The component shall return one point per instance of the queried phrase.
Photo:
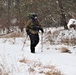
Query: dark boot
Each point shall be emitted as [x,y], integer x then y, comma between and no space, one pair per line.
[32,49]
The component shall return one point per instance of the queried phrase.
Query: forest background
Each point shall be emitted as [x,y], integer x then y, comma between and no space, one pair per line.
[51,13]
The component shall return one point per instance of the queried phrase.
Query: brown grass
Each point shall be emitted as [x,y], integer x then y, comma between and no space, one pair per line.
[3,72]
[64,50]
[56,32]
[34,65]
[53,73]
[11,35]
[31,69]
[68,41]
[49,67]
[25,60]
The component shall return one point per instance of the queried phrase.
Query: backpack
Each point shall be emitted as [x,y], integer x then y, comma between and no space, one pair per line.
[32,25]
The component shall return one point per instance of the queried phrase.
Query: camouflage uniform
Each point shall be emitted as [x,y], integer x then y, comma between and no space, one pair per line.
[32,29]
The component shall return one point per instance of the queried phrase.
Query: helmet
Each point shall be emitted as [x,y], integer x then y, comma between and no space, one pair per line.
[32,16]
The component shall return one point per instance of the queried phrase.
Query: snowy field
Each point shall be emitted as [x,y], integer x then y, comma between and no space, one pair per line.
[15,61]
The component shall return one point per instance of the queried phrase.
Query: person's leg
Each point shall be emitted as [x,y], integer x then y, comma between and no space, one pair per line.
[32,46]
[34,41]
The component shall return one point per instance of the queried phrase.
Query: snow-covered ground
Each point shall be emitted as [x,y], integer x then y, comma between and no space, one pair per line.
[15,61]
[71,21]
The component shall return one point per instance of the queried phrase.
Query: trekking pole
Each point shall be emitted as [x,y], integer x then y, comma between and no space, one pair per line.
[24,42]
[42,42]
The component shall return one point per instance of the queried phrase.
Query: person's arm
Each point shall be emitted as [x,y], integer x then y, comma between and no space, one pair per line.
[38,27]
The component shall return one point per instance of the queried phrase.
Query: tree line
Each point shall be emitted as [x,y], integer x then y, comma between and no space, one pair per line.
[51,12]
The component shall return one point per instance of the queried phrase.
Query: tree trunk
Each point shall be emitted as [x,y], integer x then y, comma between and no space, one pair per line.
[63,17]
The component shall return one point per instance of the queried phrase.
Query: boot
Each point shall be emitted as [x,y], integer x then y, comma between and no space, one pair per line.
[32,50]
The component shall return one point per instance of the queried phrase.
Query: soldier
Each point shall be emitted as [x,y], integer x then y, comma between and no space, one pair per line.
[32,28]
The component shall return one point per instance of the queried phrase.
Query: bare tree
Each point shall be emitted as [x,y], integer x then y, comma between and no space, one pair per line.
[63,17]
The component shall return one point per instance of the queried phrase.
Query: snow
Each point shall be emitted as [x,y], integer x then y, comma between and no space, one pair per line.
[11,53]
[71,21]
